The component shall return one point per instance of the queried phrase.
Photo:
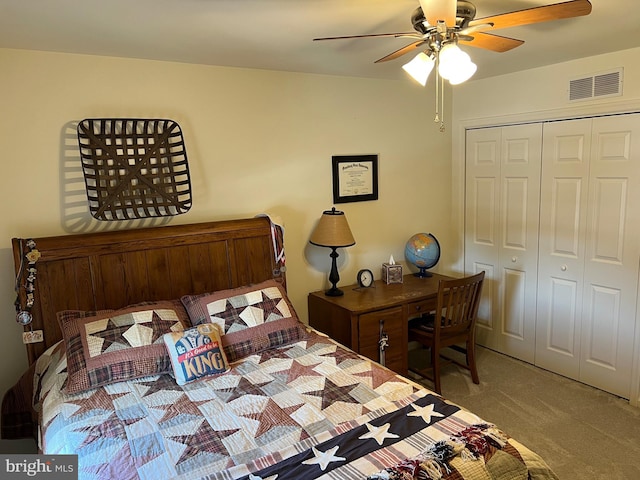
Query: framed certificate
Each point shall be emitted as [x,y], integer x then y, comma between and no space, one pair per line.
[355,178]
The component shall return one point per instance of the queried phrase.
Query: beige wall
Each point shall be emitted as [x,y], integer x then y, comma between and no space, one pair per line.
[257,141]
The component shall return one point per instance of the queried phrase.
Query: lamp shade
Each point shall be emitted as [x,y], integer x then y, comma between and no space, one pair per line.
[332,230]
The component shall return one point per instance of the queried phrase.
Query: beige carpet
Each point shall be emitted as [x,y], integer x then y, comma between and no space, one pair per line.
[581,432]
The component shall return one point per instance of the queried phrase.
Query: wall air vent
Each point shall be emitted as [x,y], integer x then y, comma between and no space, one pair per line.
[599,85]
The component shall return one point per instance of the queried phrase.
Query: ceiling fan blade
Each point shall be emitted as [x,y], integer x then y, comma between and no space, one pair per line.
[435,10]
[373,35]
[557,11]
[495,43]
[402,51]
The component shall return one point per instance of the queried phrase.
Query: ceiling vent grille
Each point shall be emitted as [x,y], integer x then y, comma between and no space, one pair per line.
[600,85]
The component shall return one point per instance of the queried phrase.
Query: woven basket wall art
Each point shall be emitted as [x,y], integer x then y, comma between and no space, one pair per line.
[134,168]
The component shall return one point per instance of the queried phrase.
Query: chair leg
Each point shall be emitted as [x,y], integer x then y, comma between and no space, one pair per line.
[435,364]
[471,361]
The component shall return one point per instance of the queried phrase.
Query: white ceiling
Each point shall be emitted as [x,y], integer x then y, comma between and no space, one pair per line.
[277,34]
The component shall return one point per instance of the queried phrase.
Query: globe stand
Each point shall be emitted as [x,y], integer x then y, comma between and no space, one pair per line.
[423,273]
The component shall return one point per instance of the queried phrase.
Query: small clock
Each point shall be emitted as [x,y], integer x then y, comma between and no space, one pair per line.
[365,278]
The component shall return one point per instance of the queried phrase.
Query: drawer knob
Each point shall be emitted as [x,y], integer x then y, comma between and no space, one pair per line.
[418,307]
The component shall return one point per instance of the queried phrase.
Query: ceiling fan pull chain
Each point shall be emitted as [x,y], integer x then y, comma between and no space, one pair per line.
[437,118]
[442,104]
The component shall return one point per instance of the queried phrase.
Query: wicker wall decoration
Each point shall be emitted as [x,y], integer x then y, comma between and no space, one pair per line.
[134,168]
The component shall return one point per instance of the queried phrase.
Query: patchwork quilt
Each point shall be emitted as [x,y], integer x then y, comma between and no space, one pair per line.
[311,409]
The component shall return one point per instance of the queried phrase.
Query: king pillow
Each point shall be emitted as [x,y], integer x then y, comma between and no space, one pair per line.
[196,353]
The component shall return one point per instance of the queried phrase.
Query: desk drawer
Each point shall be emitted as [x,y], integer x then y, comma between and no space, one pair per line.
[391,322]
[417,309]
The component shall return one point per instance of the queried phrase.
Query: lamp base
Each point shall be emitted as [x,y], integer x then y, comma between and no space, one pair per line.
[334,292]
[334,278]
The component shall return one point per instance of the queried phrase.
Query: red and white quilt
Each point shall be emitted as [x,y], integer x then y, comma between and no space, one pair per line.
[308,410]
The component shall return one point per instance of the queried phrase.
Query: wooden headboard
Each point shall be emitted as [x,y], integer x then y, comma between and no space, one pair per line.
[110,270]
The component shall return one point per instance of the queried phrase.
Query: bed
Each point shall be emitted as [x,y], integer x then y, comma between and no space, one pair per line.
[174,353]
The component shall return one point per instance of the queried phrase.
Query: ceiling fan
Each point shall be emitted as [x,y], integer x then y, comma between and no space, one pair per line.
[438,22]
[440,25]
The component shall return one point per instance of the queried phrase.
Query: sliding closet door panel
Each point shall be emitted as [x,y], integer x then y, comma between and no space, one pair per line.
[514,222]
[612,254]
[482,241]
[563,217]
[501,215]
[520,200]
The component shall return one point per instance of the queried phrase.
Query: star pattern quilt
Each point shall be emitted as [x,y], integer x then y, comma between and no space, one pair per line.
[311,409]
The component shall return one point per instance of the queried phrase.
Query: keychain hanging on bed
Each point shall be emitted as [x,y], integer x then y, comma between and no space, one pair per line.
[277,237]
[23,315]
[277,234]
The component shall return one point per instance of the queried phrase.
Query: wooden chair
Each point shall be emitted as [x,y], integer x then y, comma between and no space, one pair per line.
[456,311]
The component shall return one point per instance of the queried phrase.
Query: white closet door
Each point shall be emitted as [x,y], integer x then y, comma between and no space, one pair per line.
[482,218]
[563,213]
[589,250]
[503,187]
[612,254]
[520,175]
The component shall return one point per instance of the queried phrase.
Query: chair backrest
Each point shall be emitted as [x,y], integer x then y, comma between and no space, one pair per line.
[458,302]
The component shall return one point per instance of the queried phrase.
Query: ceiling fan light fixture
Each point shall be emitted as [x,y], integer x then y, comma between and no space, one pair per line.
[439,25]
[455,65]
[451,59]
[420,68]
[463,73]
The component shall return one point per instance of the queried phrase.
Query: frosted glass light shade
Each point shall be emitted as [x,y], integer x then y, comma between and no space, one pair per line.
[463,73]
[451,57]
[455,65]
[419,68]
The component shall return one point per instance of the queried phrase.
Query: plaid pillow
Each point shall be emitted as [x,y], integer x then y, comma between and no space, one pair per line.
[253,318]
[115,345]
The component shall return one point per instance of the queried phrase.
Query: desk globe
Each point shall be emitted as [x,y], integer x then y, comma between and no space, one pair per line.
[423,251]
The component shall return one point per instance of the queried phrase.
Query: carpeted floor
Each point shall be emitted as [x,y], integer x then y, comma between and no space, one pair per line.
[583,433]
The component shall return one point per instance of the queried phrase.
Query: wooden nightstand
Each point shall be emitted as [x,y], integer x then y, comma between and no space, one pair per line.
[357,318]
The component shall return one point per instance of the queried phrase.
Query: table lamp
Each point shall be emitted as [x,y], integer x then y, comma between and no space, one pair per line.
[333,231]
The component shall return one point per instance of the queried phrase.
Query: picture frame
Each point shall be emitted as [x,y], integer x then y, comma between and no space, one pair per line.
[355,178]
